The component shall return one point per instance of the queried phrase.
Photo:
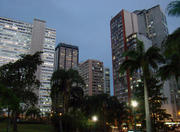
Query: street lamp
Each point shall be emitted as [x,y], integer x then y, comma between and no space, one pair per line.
[94,118]
[134,104]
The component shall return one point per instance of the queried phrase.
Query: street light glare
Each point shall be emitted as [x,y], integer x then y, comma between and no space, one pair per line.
[134,103]
[94,118]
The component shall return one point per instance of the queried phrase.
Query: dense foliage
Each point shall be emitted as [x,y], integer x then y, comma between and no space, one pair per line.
[19,82]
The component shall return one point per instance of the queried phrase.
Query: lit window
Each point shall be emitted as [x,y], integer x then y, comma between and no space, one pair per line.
[114,57]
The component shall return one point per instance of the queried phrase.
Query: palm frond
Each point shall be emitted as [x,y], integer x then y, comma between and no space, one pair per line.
[140,47]
[131,54]
[153,54]
[130,65]
[153,64]
[173,8]
[166,72]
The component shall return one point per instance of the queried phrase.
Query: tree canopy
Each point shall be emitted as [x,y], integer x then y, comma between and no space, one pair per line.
[19,79]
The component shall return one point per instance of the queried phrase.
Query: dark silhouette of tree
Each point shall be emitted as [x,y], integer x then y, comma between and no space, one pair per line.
[66,92]
[21,79]
[107,108]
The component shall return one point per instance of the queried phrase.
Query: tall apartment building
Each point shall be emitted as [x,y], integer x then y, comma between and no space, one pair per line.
[152,23]
[66,56]
[92,73]
[107,81]
[147,25]
[17,38]
[122,25]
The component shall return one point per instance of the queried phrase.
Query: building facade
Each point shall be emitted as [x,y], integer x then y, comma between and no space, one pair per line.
[107,81]
[122,25]
[66,56]
[92,73]
[17,38]
[152,23]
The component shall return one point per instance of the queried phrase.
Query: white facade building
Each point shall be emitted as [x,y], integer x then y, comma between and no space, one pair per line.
[23,38]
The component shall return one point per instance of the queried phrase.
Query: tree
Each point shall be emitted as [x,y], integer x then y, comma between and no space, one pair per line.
[8,100]
[173,8]
[21,79]
[65,89]
[63,85]
[156,99]
[139,59]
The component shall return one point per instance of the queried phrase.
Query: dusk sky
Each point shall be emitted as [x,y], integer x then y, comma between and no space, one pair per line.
[85,23]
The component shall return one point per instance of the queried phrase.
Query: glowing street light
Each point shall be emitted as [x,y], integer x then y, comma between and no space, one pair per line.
[134,104]
[60,114]
[94,118]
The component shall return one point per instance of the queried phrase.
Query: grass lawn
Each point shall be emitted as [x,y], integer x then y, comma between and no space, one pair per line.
[28,127]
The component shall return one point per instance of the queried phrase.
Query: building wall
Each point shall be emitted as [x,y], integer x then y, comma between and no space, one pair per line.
[83,69]
[131,23]
[93,75]
[168,104]
[46,69]
[66,56]
[107,81]
[15,39]
[123,24]
[153,24]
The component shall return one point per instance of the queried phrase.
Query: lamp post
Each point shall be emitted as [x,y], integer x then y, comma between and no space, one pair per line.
[134,104]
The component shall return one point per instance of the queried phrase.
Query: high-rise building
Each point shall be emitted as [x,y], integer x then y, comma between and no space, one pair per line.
[107,81]
[17,38]
[147,25]
[66,56]
[122,25]
[152,23]
[92,73]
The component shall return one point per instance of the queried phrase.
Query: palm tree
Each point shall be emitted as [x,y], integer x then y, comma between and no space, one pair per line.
[173,8]
[63,84]
[139,59]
